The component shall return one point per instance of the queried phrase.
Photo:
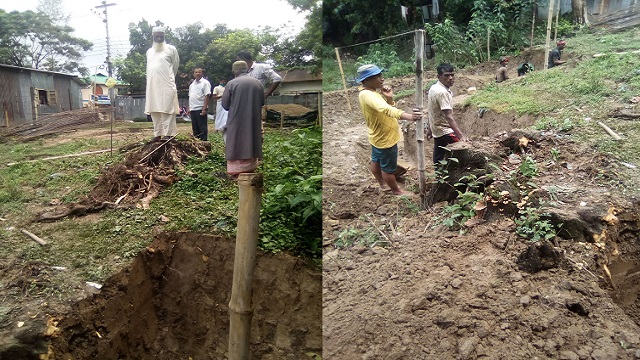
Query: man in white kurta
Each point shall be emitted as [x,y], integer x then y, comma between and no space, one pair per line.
[221,113]
[162,95]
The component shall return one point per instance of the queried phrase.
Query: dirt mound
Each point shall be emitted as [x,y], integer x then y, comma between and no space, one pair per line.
[171,303]
[290,109]
[136,180]
[398,287]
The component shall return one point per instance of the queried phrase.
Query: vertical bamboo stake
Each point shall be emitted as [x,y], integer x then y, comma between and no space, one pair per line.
[549,20]
[240,307]
[420,104]
[555,34]
[320,109]
[344,82]
[488,44]
[533,25]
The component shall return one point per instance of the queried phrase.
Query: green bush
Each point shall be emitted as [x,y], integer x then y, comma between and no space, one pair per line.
[291,215]
[384,55]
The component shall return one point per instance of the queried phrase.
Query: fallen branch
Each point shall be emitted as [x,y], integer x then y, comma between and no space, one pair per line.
[60,157]
[34,237]
[377,228]
[610,132]
[156,149]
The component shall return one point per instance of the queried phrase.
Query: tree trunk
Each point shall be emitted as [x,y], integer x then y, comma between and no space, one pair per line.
[578,7]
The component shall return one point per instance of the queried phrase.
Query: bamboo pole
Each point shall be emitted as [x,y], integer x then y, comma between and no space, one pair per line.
[533,25]
[320,109]
[546,49]
[34,237]
[488,44]
[555,34]
[344,81]
[420,104]
[240,307]
[609,131]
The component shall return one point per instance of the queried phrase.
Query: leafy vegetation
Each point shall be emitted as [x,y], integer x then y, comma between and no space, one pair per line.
[33,40]
[93,247]
[534,225]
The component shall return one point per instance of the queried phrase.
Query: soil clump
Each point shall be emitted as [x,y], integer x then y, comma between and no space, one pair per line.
[397,285]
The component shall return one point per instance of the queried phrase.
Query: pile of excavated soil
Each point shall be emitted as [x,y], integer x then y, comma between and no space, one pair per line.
[421,291]
[172,303]
[136,180]
[290,109]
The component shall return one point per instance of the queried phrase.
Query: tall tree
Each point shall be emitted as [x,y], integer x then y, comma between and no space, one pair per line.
[54,10]
[306,48]
[29,39]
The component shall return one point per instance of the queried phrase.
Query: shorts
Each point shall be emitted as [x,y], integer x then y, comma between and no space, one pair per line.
[441,142]
[388,158]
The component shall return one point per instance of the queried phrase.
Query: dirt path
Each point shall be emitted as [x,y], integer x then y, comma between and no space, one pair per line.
[406,288]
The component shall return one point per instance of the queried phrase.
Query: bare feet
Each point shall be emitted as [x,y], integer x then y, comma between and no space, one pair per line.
[385,188]
[402,193]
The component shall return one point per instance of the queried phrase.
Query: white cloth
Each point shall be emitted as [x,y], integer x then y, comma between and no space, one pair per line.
[221,116]
[164,124]
[264,73]
[218,91]
[162,67]
[197,92]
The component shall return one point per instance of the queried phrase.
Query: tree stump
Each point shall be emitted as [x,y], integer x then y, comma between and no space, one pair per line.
[471,164]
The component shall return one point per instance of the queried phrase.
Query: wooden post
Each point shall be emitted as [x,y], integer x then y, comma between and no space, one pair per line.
[488,44]
[320,109]
[533,25]
[240,307]
[546,49]
[420,105]
[281,119]
[555,34]
[344,82]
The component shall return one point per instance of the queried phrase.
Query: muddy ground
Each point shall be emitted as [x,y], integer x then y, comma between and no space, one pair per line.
[410,288]
[170,301]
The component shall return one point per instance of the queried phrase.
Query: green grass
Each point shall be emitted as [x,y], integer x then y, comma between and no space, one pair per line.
[584,81]
[331,77]
[94,247]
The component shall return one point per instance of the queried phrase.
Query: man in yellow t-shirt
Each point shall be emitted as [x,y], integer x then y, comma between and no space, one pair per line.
[382,120]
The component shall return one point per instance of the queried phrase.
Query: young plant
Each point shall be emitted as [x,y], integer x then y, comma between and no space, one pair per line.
[534,225]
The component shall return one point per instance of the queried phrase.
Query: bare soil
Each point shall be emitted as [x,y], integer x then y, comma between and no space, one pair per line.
[425,292]
[169,302]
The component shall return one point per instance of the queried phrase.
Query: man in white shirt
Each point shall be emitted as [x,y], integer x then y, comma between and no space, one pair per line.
[162,96]
[442,125]
[221,113]
[260,71]
[199,92]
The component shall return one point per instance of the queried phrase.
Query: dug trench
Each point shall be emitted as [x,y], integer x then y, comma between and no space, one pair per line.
[424,291]
[172,303]
[171,300]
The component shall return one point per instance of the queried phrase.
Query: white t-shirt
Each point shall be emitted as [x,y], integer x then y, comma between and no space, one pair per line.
[197,91]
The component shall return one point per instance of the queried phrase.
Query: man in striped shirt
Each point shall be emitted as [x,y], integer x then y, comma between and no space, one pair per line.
[261,71]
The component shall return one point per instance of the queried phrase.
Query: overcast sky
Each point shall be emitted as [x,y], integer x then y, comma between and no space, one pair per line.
[87,20]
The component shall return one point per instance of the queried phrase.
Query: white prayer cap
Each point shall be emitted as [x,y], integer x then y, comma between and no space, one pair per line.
[157,29]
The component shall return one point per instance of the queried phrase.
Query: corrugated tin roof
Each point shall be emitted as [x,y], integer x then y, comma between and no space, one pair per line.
[38,70]
[297,75]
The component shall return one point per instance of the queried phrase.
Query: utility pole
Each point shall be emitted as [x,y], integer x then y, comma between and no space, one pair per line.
[109,67]
[106,24]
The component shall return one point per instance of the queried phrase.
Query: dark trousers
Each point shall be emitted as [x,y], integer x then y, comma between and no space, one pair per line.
[439,144]
[199,125]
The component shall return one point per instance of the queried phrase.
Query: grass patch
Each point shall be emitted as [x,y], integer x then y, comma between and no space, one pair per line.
[92,248]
